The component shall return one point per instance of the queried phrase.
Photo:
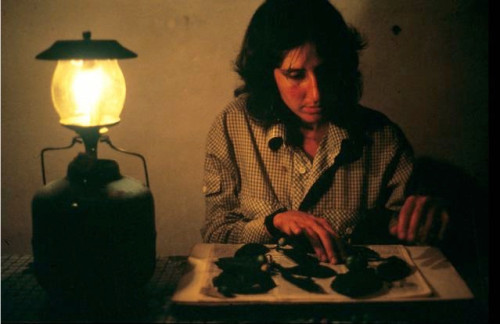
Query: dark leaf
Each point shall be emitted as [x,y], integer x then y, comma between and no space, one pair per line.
[356,262]
[229,283]
[300,256]
[317,271]
[251,249]
[393,268]
[357,283]
[364,251]
[241,264]
[305,283]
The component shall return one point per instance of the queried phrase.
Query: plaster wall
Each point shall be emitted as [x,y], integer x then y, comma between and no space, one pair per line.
[431,78]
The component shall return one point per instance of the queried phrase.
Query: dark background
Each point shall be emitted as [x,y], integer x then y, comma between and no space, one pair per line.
[426,67]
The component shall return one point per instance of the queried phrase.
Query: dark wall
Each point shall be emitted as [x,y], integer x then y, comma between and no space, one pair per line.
[431,78]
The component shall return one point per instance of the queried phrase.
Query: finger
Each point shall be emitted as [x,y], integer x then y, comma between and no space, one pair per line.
[337,249]
[393,226]
[394,229]
[327,240]
[315,243]
[340,252]
[404,216]
[295,229]
[416,216]
[426,228]
[326,225]
[445,218]
[287,228]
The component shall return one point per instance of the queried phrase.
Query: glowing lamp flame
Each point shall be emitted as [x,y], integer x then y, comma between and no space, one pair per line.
[88,92]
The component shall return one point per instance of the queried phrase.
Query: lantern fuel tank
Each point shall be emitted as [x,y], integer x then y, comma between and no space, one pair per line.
[93,231]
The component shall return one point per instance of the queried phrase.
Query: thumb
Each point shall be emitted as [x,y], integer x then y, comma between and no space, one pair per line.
[393,229]
[393,226]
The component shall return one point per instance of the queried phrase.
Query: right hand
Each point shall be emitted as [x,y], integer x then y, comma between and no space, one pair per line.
[422,219]
[325,242]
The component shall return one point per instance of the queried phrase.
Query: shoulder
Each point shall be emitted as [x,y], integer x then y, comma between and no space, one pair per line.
[235,109]
[379,128]
[374,120]
[234,116]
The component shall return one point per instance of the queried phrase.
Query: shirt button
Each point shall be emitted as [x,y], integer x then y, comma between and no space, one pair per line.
[348,230]
[302,170]
[204,189]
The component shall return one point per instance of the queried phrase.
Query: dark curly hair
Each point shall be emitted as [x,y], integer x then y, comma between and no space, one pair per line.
[281,25]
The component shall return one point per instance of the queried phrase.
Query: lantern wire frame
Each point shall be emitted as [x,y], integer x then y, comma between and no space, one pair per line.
[103,138]
[87,49]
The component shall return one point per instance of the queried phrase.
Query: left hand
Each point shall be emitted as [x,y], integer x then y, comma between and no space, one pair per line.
[422,219]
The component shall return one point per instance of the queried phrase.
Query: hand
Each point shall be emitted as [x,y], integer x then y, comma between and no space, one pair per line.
[325,242]
[422,219]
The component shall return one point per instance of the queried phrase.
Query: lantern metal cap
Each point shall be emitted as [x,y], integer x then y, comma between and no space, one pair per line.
[86,49]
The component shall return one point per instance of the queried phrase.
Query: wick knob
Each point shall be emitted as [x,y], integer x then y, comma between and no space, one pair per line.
[86,35]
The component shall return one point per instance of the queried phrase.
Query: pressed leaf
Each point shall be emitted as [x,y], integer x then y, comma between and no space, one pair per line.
[251,249]
[393,268]
[357,283]
[317,271]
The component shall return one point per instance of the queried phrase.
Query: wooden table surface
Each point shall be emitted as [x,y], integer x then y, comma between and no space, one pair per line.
[23,300]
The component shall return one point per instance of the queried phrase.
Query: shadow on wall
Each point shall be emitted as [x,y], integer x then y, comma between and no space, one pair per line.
[466,239]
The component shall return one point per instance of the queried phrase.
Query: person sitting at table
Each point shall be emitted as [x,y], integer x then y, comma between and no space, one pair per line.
[295,154]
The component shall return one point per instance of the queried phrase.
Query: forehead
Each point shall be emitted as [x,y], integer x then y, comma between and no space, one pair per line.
[304,56]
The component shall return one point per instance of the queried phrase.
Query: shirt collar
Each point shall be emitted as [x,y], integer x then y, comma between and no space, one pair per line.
[275,136]
[333,142]
[343,147]
[336,134]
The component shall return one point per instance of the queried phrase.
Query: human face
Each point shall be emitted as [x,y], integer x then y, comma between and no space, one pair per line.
[297,82]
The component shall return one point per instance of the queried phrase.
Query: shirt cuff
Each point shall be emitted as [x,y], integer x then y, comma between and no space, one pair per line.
[268,223]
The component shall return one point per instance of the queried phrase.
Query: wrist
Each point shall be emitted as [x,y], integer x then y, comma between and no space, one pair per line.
[269,224]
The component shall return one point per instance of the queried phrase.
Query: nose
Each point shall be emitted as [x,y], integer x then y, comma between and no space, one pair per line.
[313,89]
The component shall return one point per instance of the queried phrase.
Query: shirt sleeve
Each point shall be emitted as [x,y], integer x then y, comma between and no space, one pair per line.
[393,155]
[398,172]
[229,218]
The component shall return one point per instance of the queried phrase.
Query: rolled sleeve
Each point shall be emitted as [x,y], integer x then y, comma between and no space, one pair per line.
[398,173]
[230,217]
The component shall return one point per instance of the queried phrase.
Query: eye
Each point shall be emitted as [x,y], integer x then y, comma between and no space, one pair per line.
[294,74]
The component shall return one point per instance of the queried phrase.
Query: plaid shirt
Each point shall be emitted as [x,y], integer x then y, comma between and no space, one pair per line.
[251,172]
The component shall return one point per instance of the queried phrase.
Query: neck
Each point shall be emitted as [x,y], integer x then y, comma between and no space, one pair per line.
[316,131]
[312,138]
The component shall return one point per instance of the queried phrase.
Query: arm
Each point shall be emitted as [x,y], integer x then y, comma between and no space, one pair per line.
[420,218]
[239,198]
[230,218]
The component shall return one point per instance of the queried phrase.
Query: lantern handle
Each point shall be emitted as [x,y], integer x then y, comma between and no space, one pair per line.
[107,140]
[76,139]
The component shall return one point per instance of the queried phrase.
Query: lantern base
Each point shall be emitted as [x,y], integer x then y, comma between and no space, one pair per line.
[94,237]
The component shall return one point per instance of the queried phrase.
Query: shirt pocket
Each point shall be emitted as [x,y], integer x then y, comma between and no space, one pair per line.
[211,184]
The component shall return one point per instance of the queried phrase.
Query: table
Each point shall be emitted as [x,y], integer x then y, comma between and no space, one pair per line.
[23,300]
[451,300]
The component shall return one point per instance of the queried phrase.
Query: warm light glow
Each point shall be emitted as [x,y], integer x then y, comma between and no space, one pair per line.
[88,92]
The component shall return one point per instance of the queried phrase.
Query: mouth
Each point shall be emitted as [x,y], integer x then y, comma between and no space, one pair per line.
[312,109]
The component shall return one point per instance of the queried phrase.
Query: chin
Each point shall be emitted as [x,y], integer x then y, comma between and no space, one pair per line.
[312,120]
